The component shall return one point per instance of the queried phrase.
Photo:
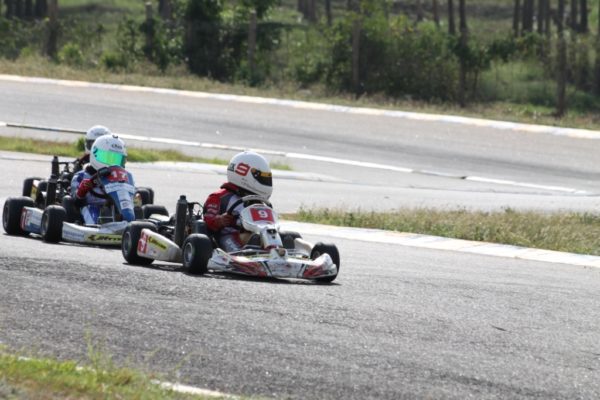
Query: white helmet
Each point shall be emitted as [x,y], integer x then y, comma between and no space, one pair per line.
[251,172]
[92,134]
[108,150]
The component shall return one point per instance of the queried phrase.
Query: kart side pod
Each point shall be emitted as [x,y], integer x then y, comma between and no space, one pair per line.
[157,247]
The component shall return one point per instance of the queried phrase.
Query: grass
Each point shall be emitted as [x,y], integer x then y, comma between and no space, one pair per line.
[570,232]
[45,379]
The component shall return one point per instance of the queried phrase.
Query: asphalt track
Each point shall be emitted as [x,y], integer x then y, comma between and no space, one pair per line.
[400,322]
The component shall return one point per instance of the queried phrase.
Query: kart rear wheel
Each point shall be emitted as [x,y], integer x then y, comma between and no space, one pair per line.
[287,238]
[150,209]
[197,250]
[28,185]
[327,248]
[145,196]
[150,191]
[52,224]
[11,214]
[71,209]
[129,242]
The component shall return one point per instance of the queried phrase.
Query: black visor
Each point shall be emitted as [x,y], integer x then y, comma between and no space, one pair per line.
[264,178]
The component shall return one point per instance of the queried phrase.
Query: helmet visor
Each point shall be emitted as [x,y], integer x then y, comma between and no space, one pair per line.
[264,178]
[110,158]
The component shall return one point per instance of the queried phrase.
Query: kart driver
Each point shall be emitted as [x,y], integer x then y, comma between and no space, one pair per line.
[248,173]
[107,151]
[90,137]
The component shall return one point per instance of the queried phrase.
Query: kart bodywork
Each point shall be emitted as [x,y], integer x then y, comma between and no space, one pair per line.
[55,223]
[269,252]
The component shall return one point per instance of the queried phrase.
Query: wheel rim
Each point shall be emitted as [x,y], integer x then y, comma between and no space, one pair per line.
[5,216]
[188,254]
[44,227]
[126,243]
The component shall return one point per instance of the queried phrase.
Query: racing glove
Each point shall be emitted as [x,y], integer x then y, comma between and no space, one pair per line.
[84,187]
[223,220]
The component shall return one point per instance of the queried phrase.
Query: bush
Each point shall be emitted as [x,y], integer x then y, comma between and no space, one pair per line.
[71,54]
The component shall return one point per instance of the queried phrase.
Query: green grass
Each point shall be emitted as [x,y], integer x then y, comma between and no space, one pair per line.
[44,378]
[570,232]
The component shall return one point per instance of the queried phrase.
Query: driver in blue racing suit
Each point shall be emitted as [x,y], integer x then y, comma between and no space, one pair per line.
[248,173]
[107,151]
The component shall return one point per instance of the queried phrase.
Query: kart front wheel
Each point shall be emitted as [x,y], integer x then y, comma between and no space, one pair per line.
[197,250]
[52,223]
[150,209]
[130,240]
[11,214]
[327,248]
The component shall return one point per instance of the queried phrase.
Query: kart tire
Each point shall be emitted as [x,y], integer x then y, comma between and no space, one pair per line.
[150,193]
[71,209]
[144,195]
[331,249]
[129,242]
[150,209]
[28,185]
[197,250]
[11,214]
[52,223]
[287,238]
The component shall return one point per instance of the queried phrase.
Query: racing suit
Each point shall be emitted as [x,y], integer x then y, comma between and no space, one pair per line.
[225,227]
[87,195]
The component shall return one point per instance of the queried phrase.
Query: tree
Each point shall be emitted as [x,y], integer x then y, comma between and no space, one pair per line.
[573,16]
[561,101]
[597,72]
[527,16]
[516,17]
[451,27]
[436,12]
[583,22]
[462,16]
[40,9]
[52,35]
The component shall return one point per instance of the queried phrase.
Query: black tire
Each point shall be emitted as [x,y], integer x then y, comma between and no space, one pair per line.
[150,209]
[73,214]
[11,214]
[129,242]
[331,249]
[287,238]
[197,250]
[40,194]
[28,185]
[144,195]
[150,193]
[52,224]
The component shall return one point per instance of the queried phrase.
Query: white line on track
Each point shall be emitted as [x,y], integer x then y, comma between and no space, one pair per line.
[333,160]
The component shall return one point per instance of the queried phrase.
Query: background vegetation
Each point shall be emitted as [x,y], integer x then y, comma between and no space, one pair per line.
[484,52]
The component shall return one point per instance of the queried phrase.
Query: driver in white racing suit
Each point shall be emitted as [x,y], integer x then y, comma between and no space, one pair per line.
[248,173]
[107,151]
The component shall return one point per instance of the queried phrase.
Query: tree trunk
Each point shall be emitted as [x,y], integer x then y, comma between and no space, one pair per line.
[165,9]
[516,17]
[583,23]
[419,11]
[252,46]
[436,12]
[328,12]
[52,38]
[541,18]
[597,72]
[29,9]
[451,27]
[573,16]
[528,15]
[356,57]
[312,10]
[462,95]
[10,11]
[19,9]
[41,9]
[561,100]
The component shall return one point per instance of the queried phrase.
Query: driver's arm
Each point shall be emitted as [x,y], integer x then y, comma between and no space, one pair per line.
[215,220]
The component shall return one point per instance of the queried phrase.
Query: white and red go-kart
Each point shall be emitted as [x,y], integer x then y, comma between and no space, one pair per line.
[269,252]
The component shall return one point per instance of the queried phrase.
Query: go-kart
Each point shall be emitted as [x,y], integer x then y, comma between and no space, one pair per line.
[45,192]
[56,223]
[269,252]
